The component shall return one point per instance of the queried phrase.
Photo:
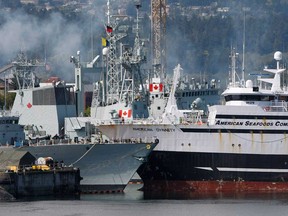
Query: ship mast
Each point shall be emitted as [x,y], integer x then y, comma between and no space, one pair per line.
[243,47]
[113,75]
[233,57]
[78,84]
[122,80]
[121,73]
[132,61]
[23,70]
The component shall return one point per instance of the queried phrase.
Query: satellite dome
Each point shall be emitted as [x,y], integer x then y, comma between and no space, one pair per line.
[249,84]
[278,56]
[105,51]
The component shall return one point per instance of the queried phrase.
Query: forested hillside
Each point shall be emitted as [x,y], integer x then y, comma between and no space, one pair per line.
[204,37]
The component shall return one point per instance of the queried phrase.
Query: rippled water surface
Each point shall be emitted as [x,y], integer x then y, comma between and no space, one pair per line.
[134,202]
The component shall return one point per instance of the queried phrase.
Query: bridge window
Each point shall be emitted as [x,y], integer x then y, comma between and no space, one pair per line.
[249,97]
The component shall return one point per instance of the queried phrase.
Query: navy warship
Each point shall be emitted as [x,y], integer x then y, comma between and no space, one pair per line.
[51,116]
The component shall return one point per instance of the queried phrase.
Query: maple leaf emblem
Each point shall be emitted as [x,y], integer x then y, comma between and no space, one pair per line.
[29,105]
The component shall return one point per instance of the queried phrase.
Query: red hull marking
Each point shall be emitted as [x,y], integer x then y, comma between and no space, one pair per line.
[215,186]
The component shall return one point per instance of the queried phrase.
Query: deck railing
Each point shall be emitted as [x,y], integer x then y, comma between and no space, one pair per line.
[276,106]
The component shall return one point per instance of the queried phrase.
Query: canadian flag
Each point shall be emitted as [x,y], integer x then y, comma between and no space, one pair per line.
[125,113]
[156,87]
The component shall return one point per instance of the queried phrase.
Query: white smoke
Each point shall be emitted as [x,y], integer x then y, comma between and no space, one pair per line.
[53,39]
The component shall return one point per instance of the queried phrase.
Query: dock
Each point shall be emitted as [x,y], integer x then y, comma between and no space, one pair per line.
[21,177]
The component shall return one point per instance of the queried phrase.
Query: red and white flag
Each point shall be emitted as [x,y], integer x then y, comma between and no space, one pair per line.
[125,113]
[156,87]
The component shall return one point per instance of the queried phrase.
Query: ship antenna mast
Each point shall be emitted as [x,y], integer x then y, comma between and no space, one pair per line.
[233,57]
[113,76]
[108,11]
[243,46]
[137,42]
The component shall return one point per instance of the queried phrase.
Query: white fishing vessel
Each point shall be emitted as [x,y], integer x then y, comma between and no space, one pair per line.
[239,146]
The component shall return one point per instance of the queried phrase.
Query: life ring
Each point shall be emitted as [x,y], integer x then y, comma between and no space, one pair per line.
[267,109]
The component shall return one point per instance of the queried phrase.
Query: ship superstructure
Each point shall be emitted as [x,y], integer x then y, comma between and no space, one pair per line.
[12,133]
[35,100]
[121,93]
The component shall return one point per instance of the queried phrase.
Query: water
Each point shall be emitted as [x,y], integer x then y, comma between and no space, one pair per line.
[133,202]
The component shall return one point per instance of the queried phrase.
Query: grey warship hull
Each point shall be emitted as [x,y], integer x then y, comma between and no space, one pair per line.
[104,167]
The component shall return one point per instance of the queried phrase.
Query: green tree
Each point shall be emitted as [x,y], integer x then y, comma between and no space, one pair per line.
[87,112]
[10,97]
